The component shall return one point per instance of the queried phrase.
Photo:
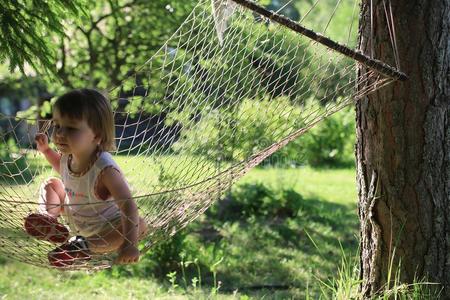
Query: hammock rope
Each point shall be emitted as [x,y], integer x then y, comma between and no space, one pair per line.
[197,91]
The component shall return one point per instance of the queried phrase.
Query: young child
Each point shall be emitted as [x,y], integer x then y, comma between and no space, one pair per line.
[93,196]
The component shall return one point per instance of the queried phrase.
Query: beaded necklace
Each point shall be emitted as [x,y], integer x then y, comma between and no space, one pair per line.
[91,163]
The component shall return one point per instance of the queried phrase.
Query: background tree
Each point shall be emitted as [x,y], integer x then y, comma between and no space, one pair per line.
[28,29]
[116,37]
[403,147]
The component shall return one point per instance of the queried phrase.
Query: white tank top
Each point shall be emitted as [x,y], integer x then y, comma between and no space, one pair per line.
[84,211]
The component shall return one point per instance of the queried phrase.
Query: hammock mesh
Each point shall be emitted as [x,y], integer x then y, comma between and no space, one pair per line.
[179,114]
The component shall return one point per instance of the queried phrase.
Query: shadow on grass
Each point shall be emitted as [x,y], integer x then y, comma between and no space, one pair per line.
[287,250]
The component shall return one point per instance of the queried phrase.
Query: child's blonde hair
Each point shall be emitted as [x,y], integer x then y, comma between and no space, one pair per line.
[95,108]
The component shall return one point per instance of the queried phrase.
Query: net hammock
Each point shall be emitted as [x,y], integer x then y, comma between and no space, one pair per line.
[224,72]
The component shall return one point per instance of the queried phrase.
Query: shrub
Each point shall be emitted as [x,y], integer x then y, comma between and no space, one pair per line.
[251,127]
[160,260]
[331,142]
[257,200]
[257,124]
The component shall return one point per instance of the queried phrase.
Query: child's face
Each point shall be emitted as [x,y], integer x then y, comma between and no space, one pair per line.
[73,136]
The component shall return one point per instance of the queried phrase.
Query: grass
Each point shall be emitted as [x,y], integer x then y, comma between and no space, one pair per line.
[331,185]
[20,281]
[300,250]
[254,257]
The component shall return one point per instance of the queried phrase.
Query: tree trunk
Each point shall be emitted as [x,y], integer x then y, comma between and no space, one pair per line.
[403,148]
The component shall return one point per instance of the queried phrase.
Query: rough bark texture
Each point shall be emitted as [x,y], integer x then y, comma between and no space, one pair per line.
[403,148]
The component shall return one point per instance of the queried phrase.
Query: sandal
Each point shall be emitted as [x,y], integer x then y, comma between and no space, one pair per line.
[74,252]
[45,227]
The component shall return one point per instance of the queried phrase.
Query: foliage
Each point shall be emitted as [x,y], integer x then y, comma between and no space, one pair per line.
[163,258]
[256,125]
[116,38]
[235,123]
[15,89]
[252,127]
[198,75]
[331,142]
[98,44]
[29,30]
[257,200]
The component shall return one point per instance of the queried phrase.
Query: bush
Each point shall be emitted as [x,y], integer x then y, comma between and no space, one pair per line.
[257,200]
[331,142]
[236,135]
[160,260]
[257,124]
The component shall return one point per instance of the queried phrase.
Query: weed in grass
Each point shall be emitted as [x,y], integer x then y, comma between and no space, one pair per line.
[172,276]
[347,284]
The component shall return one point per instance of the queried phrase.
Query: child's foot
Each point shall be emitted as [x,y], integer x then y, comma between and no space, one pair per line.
[74,252]
[45,227]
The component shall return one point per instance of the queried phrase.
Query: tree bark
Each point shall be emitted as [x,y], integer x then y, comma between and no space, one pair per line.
[403,148]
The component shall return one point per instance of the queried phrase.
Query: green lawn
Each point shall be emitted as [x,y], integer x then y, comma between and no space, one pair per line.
[241,256]
[332,185]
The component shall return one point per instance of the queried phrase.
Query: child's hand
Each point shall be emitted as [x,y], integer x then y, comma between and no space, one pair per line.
[41,142]
[128,254]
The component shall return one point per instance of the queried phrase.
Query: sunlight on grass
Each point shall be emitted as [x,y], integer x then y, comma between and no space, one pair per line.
[20,281]
[333,185]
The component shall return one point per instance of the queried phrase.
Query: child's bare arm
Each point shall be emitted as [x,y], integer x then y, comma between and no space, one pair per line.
[52,156]
[116,185]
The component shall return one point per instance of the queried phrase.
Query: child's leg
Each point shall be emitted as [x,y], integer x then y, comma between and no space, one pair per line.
[52,197]
[44,225]
[111,240]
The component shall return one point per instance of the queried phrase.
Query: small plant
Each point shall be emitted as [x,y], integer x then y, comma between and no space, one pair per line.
[196,281]
[172,276]
[217,284]
[184,265]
